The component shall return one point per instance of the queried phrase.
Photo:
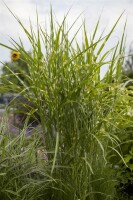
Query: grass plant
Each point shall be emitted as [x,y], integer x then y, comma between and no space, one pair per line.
[76,109]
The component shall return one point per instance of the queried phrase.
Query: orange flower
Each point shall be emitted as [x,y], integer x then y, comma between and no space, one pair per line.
[15,55]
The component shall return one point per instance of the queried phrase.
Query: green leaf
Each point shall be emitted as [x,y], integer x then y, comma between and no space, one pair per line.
[127,158]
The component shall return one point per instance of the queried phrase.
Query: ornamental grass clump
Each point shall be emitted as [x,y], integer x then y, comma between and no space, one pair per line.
[74,107]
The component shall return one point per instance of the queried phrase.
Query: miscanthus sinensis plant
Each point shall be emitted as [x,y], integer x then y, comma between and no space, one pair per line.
[75,111]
